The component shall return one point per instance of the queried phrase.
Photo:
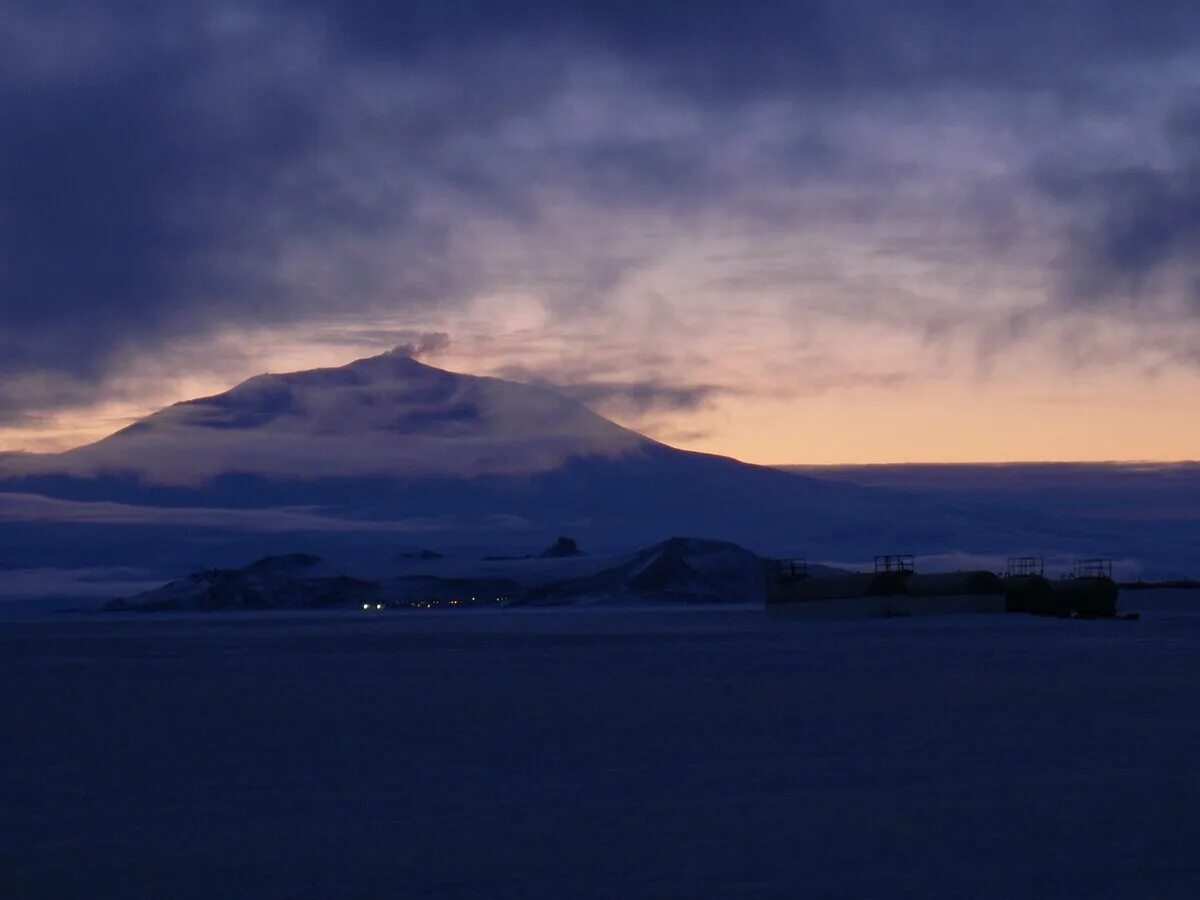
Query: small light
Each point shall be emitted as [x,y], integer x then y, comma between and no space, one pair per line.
[366,606]
[379,606]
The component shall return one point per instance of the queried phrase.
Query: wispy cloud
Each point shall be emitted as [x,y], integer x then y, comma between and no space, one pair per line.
[942,171]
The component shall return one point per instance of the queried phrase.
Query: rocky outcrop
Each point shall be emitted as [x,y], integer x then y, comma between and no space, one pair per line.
[680,570]
[273,582]
[561,548]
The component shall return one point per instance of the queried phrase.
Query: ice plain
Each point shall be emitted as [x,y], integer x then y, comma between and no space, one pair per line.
[600,753]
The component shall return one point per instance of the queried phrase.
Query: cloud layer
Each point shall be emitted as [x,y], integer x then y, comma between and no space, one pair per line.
[688,181]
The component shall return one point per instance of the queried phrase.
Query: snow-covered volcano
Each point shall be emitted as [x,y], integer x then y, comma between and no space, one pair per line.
[385,415]
[387,452]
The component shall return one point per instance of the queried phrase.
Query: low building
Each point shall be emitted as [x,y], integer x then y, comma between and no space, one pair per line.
[893,589]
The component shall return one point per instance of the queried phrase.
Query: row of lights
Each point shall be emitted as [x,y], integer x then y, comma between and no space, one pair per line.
[427,604]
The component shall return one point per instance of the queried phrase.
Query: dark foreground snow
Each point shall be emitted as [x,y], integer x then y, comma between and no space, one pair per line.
[682,753]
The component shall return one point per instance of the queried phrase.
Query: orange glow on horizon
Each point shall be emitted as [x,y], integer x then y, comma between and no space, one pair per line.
[816,413]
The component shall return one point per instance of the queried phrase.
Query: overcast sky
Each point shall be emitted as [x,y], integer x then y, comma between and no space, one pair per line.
[793,232]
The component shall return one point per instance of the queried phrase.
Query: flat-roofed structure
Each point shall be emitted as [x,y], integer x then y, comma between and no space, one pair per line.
[894,588]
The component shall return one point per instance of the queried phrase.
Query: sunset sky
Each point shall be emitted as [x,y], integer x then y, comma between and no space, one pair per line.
[839,232]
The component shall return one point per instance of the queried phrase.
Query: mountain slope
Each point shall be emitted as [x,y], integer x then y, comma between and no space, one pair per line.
[385,415]
[363,459]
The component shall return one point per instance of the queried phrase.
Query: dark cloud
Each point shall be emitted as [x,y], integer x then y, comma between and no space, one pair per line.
[167,170]
[163,189]
[643,396]
[83,244]
[111,195]
[726,50]
[1135,235]
[628,397]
